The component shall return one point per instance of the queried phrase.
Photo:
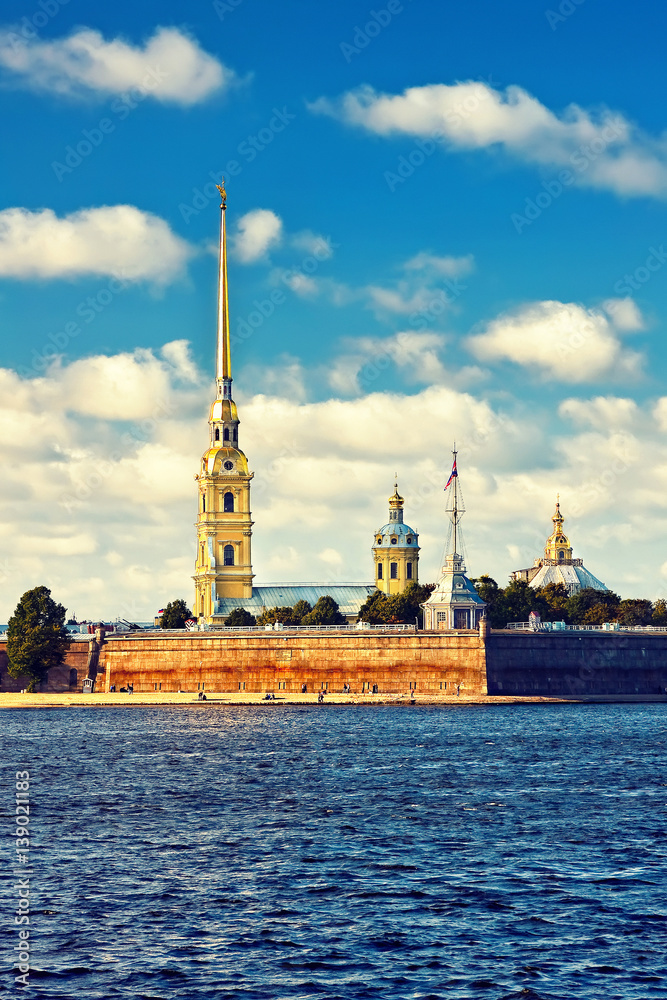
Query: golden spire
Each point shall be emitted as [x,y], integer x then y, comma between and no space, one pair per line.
[558,546]
[223,366]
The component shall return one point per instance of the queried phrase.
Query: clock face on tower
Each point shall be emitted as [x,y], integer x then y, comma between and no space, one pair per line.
[228,466]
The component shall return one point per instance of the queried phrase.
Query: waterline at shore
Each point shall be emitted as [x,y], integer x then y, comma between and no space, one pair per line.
[122,700]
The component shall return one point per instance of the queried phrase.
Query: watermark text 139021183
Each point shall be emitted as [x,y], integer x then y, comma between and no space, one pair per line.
[22,882]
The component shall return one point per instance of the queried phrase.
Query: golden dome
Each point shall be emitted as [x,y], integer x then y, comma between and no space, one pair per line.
[396,501]
[221,460]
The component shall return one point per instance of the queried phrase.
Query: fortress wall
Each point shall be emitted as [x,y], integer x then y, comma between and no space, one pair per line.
[507,663]
[571,665]
[285,660]
[59,678]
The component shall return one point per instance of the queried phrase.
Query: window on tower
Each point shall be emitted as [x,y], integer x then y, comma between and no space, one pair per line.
[409,571]
[228,555]
[226,435]
[394,571]
[203,503]
[379,571]
[217,434]
[228,503]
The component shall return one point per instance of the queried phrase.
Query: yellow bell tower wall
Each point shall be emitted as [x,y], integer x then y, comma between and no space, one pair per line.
[223,564]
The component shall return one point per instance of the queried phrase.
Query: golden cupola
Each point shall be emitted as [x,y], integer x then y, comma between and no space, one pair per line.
[558,546]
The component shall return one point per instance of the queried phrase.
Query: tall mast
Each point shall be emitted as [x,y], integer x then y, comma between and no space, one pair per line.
[456,498]
[455,506]
[223,361]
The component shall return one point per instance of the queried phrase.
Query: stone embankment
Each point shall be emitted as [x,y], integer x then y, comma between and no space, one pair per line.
[349,664]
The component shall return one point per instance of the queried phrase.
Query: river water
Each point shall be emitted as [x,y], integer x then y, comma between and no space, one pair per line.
[342,851]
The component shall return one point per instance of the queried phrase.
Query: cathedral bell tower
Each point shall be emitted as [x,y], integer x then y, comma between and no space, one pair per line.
[395,550]
[223,565]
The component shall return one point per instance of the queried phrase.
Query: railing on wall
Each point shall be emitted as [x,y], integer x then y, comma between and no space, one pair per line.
[562,627]
[227,629]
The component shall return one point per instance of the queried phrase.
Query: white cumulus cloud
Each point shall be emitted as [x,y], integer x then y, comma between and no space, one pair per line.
[609,413]
[367,358]
[170,67]
[562,340]
[257,232]
[601,149]
[116,240]
[625,314]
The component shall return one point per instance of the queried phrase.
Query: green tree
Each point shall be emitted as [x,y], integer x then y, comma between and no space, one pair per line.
[517,601]
[175,615]
[659,616]
[556,596]
[399,610]
[239,617]
[270,616]
[636,611]
[374,609]
[299,612]
[325,612]
[415,595]
[592,607]
[491,593]
[487,588]
[379,609]
[37,639]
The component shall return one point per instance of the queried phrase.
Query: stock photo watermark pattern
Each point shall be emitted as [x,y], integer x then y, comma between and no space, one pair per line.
[24,871]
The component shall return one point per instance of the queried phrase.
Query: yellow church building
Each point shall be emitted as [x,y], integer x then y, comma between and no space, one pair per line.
[395,550]
[223,567]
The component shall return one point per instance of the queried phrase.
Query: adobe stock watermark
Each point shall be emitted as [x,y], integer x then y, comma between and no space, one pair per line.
[25,32]
[597,486]
[86,312]
[633,281]
[276,468]
[565,10]
[442,298]
[265,308]
[140,433]
[225,7]
[455,116]
[21,824]
[364,34]
[434,480]
[580,160]
[248,149]
[92,138]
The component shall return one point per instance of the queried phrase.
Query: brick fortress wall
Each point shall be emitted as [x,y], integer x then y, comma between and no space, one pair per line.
[570,665]
[287,659]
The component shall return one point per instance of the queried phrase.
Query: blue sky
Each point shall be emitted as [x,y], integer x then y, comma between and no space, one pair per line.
[459,212]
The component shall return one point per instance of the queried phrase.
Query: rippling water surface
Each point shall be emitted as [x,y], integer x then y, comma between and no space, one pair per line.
[344,852]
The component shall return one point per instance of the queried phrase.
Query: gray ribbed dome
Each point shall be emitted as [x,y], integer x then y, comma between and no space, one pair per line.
[405,536]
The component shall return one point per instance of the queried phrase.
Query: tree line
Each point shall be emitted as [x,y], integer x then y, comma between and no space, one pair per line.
[552,603]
